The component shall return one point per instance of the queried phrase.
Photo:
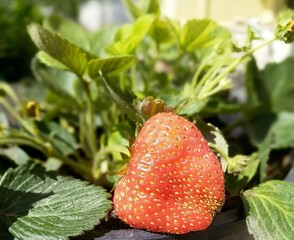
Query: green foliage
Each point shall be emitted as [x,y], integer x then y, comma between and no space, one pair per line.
[216,141]
[129,36]
[160,31]
[142,7]
[39,205]
[68,54]
[204,33]
[101,86]
[109,66]
[15,154]
[14,16]
[271,212]
[269,102]
[285,26]
[235,183]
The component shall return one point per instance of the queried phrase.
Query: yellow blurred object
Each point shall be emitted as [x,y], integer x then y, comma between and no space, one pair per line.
[32,110]
[221,10]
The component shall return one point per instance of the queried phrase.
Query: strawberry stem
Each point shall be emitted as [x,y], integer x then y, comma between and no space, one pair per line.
[213,81]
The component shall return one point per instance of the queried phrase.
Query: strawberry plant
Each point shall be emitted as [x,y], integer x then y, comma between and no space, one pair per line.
[134,123]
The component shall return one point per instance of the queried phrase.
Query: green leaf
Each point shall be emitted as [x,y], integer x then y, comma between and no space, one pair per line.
[281,125]
[216,141]
[130,36]
[66,27]
[269,105]
[235,183]
[123,105]
[191,106]
[263,153]
[175,29]
[160,31]
[38,205]
[153,7]
[142,7]
[203,33]
[52,164]
[109,66]
[133,9]
[73,57]
[102,38]
[59,137]
[15,154]
[118,144]
[237,163]
[64,83]
[251,79]
[258,124]
[272,87]
[283,131]
[50,61]
[271,211]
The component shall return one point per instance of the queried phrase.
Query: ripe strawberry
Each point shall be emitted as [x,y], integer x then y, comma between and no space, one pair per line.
[174,182]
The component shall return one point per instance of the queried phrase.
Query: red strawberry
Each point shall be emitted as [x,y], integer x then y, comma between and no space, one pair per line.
[174,182]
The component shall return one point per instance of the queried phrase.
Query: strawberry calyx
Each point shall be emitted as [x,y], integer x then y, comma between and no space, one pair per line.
[232,165]
[149,106]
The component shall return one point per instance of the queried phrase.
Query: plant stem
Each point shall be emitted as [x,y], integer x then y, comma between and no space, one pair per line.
[209,80]
[134,78]
[234,64]
[198,71]
[88,123]
[24,140]
[209,83]
[9,91]
[12,111]
[46,149]
[221,152]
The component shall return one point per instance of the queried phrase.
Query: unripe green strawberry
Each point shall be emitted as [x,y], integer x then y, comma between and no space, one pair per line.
[174,182]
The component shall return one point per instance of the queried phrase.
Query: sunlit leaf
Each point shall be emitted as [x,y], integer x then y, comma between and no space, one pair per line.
[203,33]
[190,106]
[37,205]
[153,7]
[270,210]
[50,61]
[130,37]
[59,48]
[109,66]
[160,31]
[66,27]
[118,144]
[134,10]
[15,154]
[216,140]
[142,7]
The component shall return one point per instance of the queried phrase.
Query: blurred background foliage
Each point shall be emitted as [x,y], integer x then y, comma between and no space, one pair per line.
[188,65]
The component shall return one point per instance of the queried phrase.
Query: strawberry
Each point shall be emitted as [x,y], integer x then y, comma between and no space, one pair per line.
[174,182]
